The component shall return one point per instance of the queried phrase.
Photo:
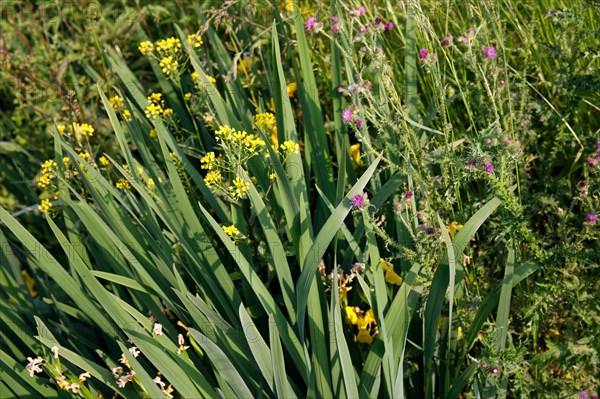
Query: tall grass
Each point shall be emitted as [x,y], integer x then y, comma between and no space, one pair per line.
[378,240]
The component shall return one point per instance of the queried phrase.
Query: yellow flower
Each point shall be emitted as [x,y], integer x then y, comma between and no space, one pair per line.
[155,98]
[364,337]
[351,314]
[66,161]
[146,47]
[231,231]
[45,205]
[245,64]
[213,178]
[266,121]
[390,275]
[272,176]
[169,45]
[195,75]
[30,283]
[126,115]
[116,102]
[153,134]
[208,161]
[123,184]
[195,40]
[86,129]
[151,182]
[168,112]
[289,147]
[140,170]
[291,89]
[61,129]
[355,155]
[187,96]
[240,187]
[453,228]
[153,110]
[168,65]
[103,161]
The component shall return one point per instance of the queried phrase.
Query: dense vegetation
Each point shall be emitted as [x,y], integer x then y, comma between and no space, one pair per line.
[323,199]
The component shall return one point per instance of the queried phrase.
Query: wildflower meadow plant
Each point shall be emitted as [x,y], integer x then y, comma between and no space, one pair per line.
[306,199]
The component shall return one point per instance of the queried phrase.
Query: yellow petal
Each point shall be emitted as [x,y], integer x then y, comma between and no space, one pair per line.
[364,337]
[30,283]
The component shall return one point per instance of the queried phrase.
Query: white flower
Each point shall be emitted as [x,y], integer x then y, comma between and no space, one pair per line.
[34,365]
[54,350]
[117,371]
[124,379]
[159,382]
[75,387]
[168,391]
[84,376]
[134,351]
[181,342]
[157,330]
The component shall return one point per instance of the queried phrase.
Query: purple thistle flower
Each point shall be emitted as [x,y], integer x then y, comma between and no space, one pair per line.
[310,23]
[548,12]
[347,115]
[582,184]
[408,195]
[488,166]
[583,395]
[502,83]
[430,231]
[495,370]
[506,140]
[591,161]
[598,145]
[362,10]
[447,41]
[489,52]
[591,218]
[424,53]
[335,28]
[594,396]
[388,26]
[470,32]
[335,20]
[471,166]
[377,21]
[359,122]
[357,201]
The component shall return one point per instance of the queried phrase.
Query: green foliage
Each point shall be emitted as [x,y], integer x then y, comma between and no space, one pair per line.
[240,202]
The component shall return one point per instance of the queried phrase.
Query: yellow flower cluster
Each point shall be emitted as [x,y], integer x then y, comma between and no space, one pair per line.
[243,144]
[208,161]
[195,40]
[267,122]
[169,45]
[367,326]
[45,205]
[118,104]
[196,79]
[239,188]
[77,129]
[168,65]
[146,47]
[231,231]
[46,174]
[155,107]
[123,184]
[390,275]
[289,147]
[244,64]
[103,161]
[213,179]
